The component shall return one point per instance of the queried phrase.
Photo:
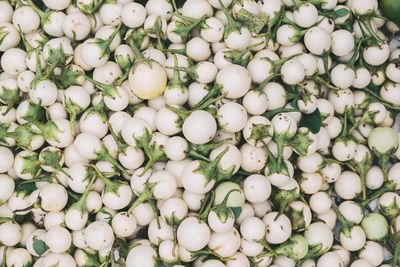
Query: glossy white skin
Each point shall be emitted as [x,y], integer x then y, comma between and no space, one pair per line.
[132,158]
[306,15]
[165,184]
[118,200]
[11,39]
[147,80]
[168,251]
[200,127]
[26,19]
[166,121]
[99,235]
[7,159]
[161,8]
[376,56]
[10,233]
[193,234]
[278,227]
[351,211]
[256,121]
[53,197]
[144,214]
[76,25]
[372,252]
[320,202]
[58,239]
[18,257]
[329,259]
[253,158]
[159,231]
[6,11]
[134,128]
[13,61]
[355,241]
[362,78]
[176,148]
[348,185]
[256,188]
[141,255]
[133,15]
[319,233]
[198,49]
[206,72]
[93,123]
[390,91]
[232,157]
[7,186]
[235,79]
[276,95]
[393,72]
[342,76]
[18,165]
[225,244]
[213,31]
[342,100]
[217,225]
[252,229]
[342,42]
[317,40]
[195,182]
[173,208]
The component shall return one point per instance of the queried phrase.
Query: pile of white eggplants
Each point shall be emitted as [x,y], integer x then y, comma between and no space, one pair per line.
[237,133]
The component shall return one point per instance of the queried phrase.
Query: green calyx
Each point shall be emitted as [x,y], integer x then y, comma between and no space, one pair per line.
[10,97]
[222,211]
[212,171]
[284,197]
[30,164]
[3,33]
[48,130]
[254,22]
[6,133]
[145,196]
[124,62]
[297,218]
[180,112]
[69,77]
[260,133]
[135,38]
[388,186]
[232,25]
[91,8]
[57,58]
[45,17]
[240,57]
[153,151]
[109,90]
[24,135]
[214,94]
[185,25]
[295,248]
[345,225]
[80,205]
[104,155]
[34,112]
[104,44]
[73,111]
[390,211]
[203,151]
[301,142]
